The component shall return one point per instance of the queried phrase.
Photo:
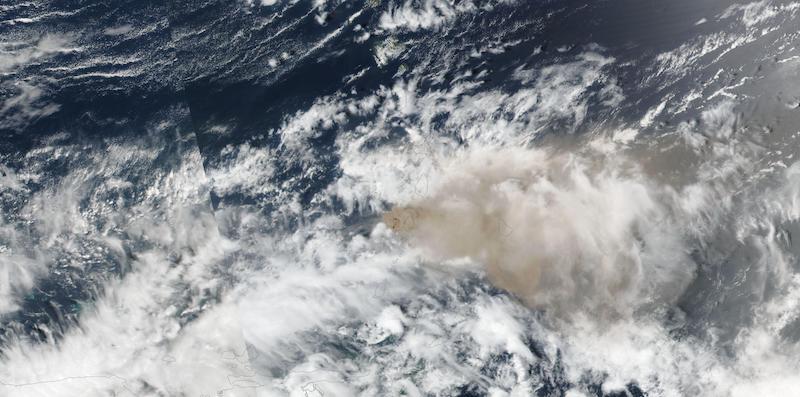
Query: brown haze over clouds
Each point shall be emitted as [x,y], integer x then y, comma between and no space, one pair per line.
[563,232]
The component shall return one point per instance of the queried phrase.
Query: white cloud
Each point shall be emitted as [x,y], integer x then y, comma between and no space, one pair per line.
[759,11]
[431,14]
[25,107]
[244,169]
[20,55]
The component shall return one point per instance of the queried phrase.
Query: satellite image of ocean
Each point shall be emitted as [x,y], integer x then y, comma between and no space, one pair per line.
[334,198]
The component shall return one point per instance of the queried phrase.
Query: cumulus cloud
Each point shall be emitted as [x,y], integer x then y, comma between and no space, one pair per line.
[428,14]
[169,250]
[18,55]
[432,14]
[26,106]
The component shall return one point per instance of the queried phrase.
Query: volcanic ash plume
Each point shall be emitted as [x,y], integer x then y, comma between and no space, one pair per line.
[563,233]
